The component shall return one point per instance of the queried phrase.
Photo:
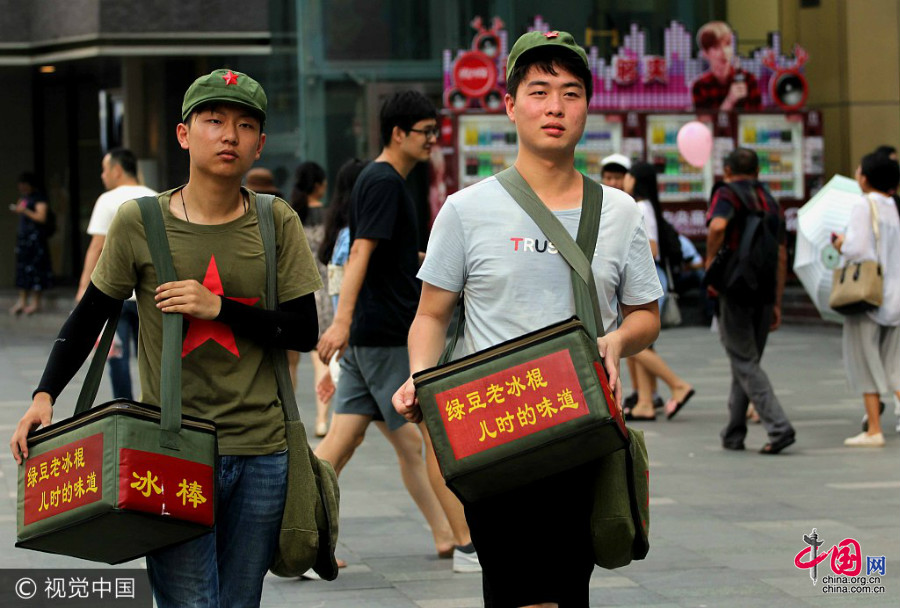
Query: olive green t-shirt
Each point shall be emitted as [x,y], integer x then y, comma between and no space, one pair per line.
[226,378]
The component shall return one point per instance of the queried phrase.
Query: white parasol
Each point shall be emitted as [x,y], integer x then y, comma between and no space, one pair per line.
[815,257]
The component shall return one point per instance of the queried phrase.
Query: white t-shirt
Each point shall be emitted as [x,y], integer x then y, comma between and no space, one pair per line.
[859,245]
[109,202]
[513,279]
[650,226]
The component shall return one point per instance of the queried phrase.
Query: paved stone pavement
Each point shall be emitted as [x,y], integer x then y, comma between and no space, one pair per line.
[725,526]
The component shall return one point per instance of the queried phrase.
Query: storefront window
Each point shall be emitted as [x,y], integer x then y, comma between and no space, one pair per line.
[376,30]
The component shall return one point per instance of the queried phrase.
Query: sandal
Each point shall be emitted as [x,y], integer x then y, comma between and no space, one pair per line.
[632,418]
[774,447]
[673,406]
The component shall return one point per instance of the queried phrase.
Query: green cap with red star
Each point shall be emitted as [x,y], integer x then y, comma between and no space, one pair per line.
[536,40]
[224,86]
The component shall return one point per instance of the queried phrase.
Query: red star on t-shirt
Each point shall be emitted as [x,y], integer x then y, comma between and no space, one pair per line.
[200,330]
[230,77]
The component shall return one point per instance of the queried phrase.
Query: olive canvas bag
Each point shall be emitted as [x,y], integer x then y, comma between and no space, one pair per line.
[309,525]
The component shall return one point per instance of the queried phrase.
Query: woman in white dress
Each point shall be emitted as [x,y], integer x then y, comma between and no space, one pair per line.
[872,339]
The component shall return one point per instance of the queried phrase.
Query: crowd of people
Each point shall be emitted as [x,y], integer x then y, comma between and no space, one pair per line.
[356,291]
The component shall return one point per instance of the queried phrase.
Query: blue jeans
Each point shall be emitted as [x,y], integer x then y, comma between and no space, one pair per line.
[225,569]
[120,367]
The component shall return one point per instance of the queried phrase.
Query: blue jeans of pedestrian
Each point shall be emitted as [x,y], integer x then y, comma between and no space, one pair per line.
[120,367]
[225,569]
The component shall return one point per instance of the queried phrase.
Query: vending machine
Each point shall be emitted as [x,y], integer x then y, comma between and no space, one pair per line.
[679,181]
[777,140]
[486,143]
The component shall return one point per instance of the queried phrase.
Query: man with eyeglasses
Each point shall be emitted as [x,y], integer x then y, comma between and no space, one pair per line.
[377,303]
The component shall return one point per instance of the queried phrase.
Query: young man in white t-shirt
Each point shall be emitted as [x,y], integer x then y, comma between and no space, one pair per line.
[513,280]
[120,179]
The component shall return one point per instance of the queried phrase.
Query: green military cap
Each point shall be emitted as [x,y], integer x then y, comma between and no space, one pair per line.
[537,40]
[225,86]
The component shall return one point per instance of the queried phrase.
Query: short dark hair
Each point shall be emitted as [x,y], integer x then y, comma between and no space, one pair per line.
[212,106]
[881,171]
[548,59]
[885,150]
[125,158]
[613,168]
[30,178]
[404,109]
[743,161]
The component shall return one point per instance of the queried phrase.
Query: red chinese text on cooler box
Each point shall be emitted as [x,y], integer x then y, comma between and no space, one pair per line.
[511,404]
[163,485]
[63,479]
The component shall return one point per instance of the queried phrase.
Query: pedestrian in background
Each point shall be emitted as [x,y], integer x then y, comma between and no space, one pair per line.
[646,366]
[613,169]
[227,372]
[262,181]
[310,185]
[745,320]
[33,273]
[334,251]
[377,303]
[120,178]
[871,340]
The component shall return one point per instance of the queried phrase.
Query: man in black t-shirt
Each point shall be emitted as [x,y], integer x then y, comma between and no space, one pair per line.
[378,301]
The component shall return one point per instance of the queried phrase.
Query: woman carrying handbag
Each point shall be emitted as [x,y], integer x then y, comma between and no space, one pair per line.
[872,338]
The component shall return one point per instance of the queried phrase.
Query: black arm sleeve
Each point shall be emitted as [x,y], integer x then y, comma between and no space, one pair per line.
[294,325]
[76,339]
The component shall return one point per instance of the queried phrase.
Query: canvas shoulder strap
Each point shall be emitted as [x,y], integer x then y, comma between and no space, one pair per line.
[266,220]
[91,385]
[576,253]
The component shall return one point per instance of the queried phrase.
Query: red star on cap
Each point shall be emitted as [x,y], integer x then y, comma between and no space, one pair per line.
[230,78]
[553,34]
[200,330]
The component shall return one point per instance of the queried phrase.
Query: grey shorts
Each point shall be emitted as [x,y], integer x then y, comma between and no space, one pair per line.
[871,355]
[370,375]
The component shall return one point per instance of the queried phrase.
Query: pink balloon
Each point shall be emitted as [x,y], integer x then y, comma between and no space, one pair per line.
[695,143]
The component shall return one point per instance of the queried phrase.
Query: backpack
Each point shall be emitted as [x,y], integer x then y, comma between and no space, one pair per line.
[669,245]
[749,273]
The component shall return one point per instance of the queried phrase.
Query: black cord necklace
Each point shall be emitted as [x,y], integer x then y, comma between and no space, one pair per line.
[245,205]
[183,207]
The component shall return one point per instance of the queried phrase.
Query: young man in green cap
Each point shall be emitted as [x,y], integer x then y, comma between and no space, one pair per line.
[227,372]
[534,543]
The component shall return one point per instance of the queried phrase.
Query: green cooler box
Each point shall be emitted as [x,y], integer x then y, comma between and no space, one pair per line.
[520,411]
[100,487]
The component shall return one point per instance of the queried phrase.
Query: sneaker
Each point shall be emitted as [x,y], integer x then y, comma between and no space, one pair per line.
[865,418]
[466,561]
[865,441]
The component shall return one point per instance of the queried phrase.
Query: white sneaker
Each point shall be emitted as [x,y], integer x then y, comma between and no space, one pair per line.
[864,440]
[465,562]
